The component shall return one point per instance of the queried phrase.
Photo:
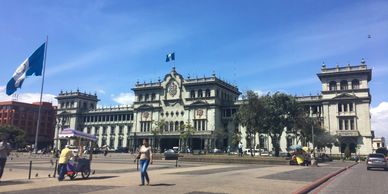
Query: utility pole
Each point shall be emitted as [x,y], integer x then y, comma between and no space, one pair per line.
[312,137]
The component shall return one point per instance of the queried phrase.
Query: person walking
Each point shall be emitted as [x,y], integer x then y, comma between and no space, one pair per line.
[145,156]
[240,149]
[5,149]
[64,158]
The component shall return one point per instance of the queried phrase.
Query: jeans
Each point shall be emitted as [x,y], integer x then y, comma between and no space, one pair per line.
[143,171]
[62,169]
[2,165]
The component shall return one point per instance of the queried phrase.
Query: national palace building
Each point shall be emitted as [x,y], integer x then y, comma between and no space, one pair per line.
[208,104]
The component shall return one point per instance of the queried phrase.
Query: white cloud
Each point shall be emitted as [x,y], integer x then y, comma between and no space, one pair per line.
[380,119]
[27,97]
[124,98]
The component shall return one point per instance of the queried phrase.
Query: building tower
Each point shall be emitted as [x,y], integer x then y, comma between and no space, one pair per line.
[71,106]
[345,106]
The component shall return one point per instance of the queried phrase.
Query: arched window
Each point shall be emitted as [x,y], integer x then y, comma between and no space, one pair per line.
[166,126]
[200,95]
[192,94]
[171,126]
[344,85]
[333,86]
[181,125]
[207,93]
[355,84]
[176,126]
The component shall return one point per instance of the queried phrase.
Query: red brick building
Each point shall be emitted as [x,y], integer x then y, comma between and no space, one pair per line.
[25,116]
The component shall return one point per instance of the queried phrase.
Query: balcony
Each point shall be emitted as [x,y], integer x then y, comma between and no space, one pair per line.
[352,113]
[348,133]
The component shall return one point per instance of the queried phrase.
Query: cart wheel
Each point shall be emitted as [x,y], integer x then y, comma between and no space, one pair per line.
[72,176]
[85,173]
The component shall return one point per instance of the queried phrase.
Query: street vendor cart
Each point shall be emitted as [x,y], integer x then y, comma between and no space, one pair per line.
[81,162]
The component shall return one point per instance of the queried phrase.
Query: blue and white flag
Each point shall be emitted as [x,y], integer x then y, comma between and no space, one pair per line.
[32,65]
[170,57]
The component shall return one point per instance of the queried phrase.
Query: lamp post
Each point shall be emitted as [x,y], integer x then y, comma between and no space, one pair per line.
[61,121]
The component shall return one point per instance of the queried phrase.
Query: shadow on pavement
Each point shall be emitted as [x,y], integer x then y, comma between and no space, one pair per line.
[162,184]
[12,182]
[94,178]
[201,192]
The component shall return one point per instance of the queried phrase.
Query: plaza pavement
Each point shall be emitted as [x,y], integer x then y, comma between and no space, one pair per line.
[119,175]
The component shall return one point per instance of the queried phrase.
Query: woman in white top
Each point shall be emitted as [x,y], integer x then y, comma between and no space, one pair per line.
[145,156]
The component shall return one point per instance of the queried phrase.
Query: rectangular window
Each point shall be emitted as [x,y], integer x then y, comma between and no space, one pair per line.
[345,107]
[351,124]
[339,107]
[346,124]
[340,124]
[351,107]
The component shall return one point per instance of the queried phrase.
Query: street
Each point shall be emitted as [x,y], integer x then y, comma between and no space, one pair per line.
[357,180]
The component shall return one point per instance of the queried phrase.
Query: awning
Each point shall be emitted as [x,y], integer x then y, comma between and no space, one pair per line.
[69,133]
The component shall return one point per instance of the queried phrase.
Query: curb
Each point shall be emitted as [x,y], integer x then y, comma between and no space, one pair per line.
[320,181]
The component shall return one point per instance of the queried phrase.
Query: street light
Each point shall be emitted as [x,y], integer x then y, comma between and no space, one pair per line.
[61,121]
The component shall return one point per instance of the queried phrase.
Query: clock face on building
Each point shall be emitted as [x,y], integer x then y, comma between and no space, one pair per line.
[172,89]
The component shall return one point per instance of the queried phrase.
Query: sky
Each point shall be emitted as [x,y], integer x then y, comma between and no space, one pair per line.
[106,46]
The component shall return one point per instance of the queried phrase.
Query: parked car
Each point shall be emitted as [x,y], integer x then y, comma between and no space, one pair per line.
[121,150]
[170,154]
[324,158]
[382,150]
[257,152]
[216,151]
[376,161]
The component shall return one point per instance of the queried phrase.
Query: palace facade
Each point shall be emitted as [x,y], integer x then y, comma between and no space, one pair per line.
[208,104]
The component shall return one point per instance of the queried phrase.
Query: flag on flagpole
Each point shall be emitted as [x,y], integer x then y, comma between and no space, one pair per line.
[32,65]
[170,57]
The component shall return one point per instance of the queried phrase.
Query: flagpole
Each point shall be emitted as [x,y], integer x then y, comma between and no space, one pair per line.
[40,100]
[173,63]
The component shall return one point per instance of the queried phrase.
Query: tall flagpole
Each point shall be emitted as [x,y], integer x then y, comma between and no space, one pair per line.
[40,101]
[174,60]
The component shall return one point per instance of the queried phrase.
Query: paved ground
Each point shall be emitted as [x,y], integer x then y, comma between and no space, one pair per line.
[357,180]
[119,175]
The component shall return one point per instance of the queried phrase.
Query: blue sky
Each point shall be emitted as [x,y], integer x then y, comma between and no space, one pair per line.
[106,46]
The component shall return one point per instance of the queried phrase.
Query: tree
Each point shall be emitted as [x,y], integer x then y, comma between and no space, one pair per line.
[278,109]
[250,115]
[158,131]
[236,138]
[324,139]
[187,130]
[15,136]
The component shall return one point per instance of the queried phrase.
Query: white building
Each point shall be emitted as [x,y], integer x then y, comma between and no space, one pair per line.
[208,104]
[378,142]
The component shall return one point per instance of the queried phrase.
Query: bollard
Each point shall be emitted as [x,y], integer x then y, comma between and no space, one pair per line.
[29,171]
[137,164]
[176,164]
[55,169]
